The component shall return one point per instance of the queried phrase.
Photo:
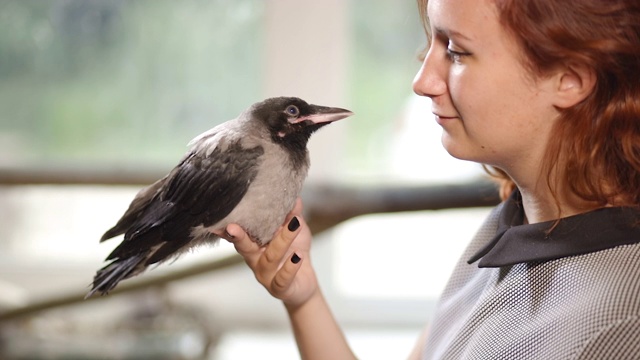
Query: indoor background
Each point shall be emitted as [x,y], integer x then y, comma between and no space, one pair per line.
[99,98]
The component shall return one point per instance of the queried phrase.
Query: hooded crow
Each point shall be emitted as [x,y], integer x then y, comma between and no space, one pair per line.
[247,171]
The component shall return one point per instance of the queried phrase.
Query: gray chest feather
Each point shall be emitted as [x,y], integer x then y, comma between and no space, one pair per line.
[270,196]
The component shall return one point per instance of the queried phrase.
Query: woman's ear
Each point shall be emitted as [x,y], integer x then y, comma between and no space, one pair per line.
[575,83]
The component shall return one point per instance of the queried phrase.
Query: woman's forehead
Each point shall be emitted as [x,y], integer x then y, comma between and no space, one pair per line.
[468,20]
[457,15]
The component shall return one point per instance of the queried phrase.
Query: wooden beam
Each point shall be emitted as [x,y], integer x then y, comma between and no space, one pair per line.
[326,205]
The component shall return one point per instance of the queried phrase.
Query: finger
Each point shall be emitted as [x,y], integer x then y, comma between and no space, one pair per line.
[243,243]
[280,244]
[223,234]
[297,207]
[283,279]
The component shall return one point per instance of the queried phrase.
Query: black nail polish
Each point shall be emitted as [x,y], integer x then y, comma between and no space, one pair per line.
[294,224]
[295,258]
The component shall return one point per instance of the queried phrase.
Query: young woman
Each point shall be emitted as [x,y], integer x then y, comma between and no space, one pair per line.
[546,94]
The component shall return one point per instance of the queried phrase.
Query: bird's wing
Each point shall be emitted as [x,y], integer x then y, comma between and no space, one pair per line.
[202,190]
[136,208]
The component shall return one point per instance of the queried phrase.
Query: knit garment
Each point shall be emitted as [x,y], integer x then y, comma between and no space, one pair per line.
[547,295]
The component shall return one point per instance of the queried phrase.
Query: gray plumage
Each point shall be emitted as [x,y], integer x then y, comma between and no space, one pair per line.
[247,171]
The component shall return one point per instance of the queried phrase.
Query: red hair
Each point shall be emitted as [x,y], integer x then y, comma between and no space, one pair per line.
[595,150]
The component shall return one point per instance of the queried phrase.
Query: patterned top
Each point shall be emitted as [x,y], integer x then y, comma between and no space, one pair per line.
[573,293]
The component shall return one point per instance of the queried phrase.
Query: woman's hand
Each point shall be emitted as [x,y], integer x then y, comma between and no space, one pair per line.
[282,266]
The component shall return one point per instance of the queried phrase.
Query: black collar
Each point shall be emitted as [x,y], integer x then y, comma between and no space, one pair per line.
[596,230]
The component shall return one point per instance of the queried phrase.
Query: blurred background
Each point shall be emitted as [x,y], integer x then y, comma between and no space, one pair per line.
[99,98]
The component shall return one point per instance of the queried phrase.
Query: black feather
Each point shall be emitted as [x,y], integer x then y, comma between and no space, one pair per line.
[109,276]
[201,190]
[141,201]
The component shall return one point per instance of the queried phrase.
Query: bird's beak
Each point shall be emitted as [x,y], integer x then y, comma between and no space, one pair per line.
[325,115]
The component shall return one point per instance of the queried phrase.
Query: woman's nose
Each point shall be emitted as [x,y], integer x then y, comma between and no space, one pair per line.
[430,79]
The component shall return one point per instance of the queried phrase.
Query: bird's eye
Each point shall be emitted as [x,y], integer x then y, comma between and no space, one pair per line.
[292,110]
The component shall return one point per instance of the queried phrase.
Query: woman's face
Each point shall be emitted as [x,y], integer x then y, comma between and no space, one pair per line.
[491,109]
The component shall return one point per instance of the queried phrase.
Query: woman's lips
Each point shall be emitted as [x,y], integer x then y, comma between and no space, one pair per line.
[442,118]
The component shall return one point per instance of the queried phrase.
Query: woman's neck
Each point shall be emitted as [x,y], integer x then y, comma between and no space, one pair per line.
[540,205]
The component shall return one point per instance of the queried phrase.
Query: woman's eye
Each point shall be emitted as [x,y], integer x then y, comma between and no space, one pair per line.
[456,56]
[292,110]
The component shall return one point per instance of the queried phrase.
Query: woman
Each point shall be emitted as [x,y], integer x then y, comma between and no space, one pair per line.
[546,94]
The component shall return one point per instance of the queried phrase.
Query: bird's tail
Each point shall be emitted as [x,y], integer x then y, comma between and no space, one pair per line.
[109,276]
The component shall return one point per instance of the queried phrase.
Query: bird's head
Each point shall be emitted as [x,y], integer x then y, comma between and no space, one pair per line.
[291,120]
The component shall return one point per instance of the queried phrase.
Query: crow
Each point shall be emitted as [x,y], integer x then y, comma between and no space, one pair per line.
[247,171]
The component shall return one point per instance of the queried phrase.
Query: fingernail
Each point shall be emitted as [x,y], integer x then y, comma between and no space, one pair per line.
[294,224]
[295,258]
[227,235]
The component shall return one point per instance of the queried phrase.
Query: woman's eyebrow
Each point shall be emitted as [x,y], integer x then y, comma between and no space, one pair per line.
[449,33]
